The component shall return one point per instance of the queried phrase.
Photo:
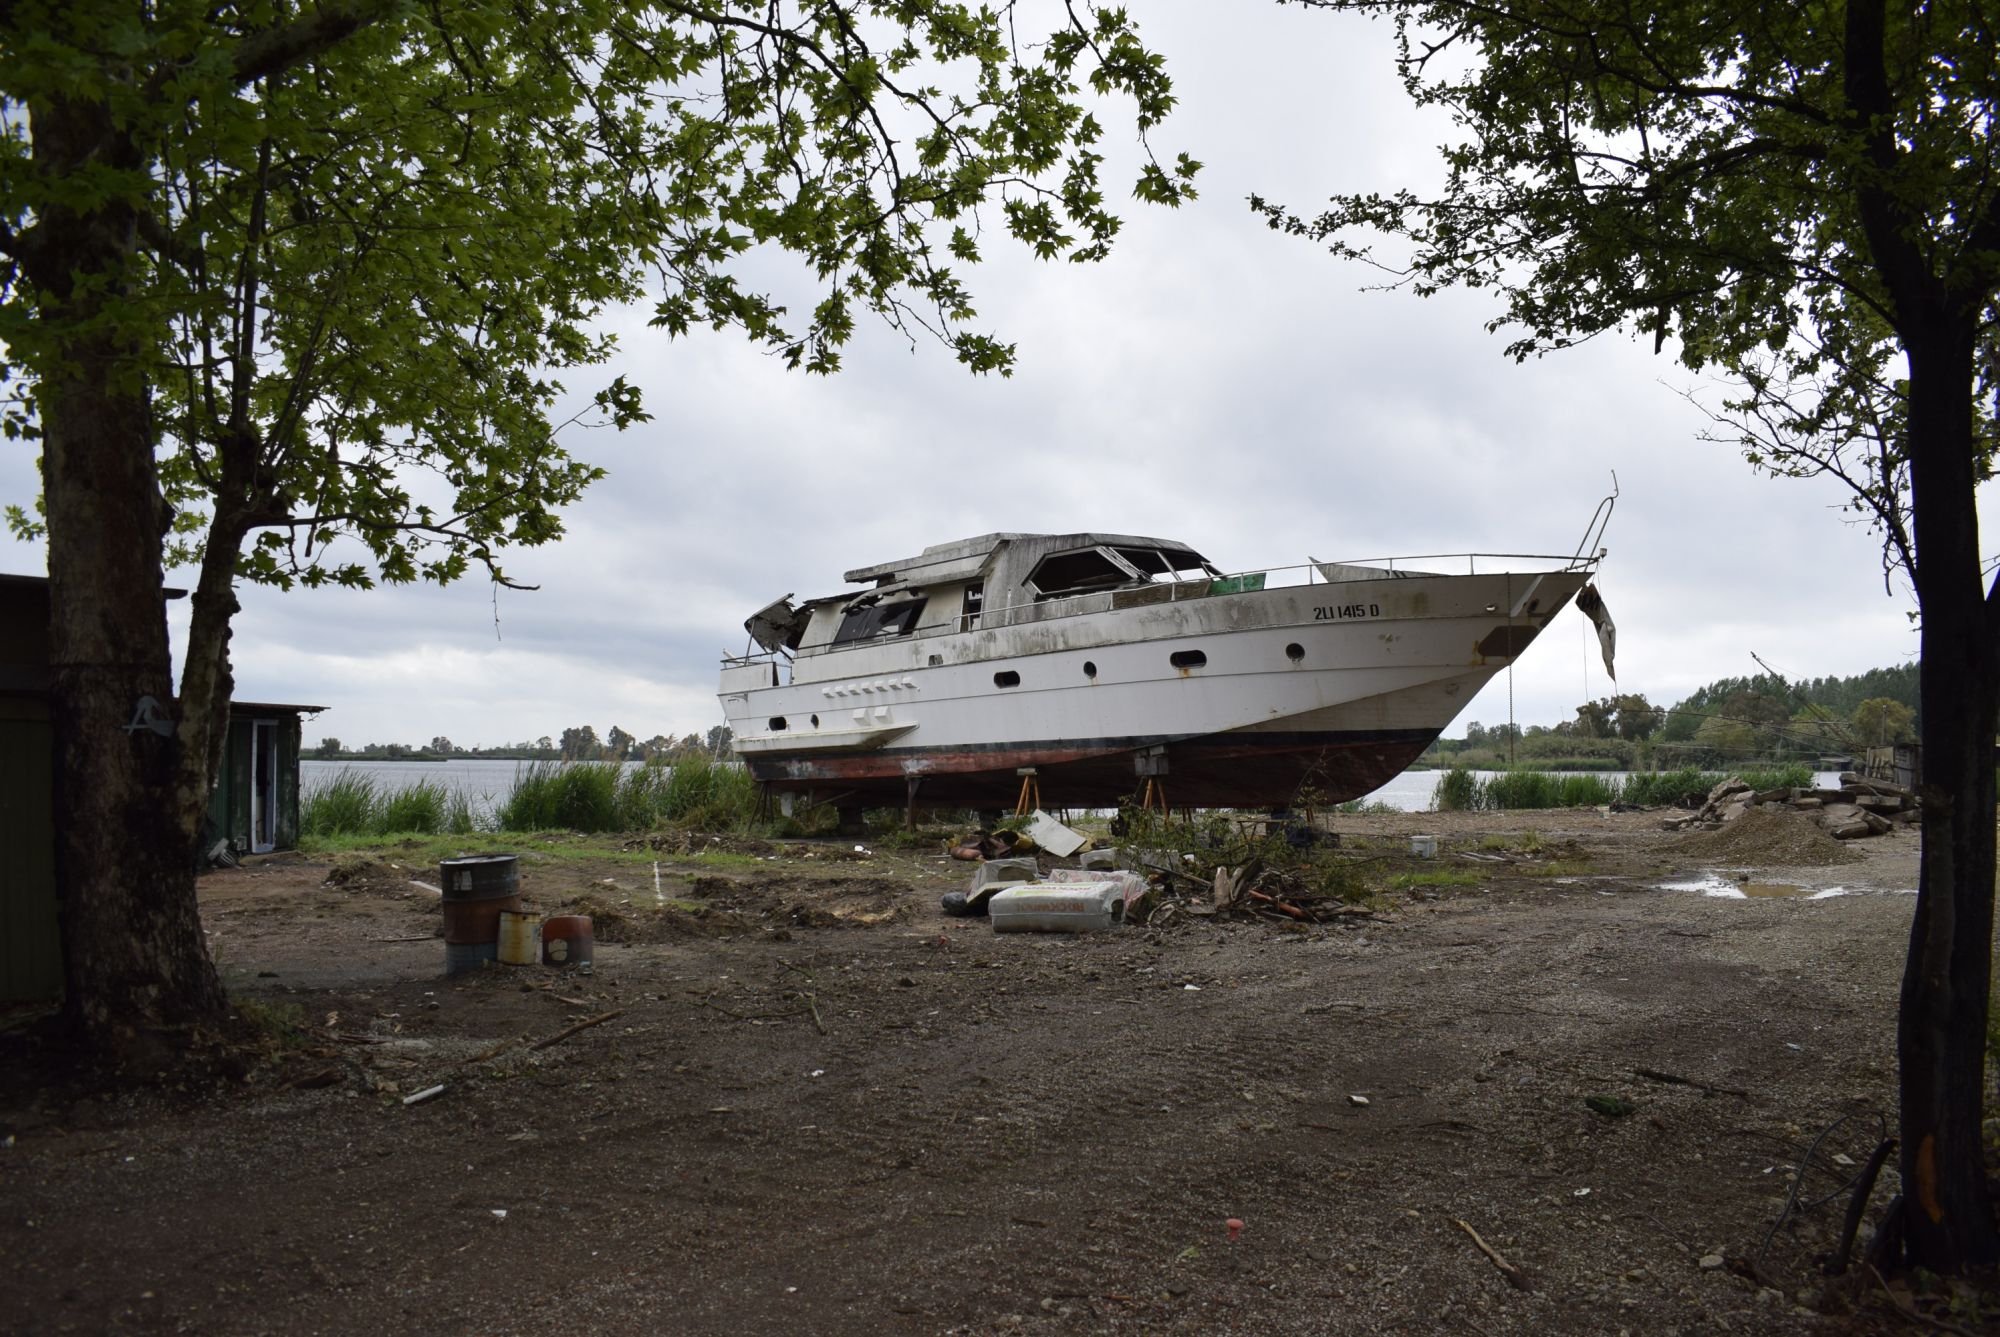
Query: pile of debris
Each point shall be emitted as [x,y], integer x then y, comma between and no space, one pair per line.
[1858,808]
[1114,886]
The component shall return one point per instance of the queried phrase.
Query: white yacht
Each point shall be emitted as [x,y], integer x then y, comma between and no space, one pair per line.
[1092,667]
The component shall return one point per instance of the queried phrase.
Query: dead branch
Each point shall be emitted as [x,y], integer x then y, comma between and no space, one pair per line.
[811,1000]
[1863,1189]
[1493,1255]
[583,1025]
[1674,1079]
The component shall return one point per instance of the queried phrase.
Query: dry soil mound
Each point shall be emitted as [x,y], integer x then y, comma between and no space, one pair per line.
[1766,834]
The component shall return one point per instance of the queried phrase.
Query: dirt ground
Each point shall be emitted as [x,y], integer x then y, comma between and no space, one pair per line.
[817,1105]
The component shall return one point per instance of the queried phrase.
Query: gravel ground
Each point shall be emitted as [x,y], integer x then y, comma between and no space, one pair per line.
[819,1106]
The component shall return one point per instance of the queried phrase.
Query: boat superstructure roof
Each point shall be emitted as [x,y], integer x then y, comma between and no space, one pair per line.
[963,559]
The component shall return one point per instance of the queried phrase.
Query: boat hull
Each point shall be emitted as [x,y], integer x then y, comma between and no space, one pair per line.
[1225,770]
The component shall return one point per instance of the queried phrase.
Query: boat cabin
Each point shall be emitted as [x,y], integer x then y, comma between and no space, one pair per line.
[952,587]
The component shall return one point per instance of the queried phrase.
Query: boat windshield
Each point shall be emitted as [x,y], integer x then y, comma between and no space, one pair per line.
[869,621]
[1089,570]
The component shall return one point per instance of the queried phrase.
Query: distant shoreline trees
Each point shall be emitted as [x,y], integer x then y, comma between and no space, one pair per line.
[1730,721]
[575,744]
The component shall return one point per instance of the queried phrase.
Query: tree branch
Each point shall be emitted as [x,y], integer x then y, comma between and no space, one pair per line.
[275,50]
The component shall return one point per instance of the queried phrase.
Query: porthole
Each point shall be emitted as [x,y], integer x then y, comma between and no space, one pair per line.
[1187,659]
[1295,652]
[1089,669]
[815,721]
[1007,678]
[777,723]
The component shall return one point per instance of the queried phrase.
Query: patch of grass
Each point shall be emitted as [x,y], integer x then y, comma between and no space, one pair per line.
[1526,841]
[722,859]
[415,849]
[1355,806]
[555,847]
[1443,877]
[282,1025]
[1564,868]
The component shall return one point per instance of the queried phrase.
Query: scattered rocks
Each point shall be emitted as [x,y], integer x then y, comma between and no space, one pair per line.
[1858,808]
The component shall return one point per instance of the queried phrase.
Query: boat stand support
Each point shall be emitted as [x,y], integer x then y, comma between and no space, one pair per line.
[1031,792]
[910,786]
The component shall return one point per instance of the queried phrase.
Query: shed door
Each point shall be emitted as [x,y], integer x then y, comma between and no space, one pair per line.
[263,786]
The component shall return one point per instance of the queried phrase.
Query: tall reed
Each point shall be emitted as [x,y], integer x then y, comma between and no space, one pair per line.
[418,808]
[344,805]
[553,795]
[1668,789]
[1458,790]
[353,803]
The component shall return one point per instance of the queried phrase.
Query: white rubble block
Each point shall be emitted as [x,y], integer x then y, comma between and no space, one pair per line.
[1075,907]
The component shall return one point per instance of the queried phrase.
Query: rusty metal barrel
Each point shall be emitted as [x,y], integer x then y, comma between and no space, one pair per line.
[567,941]
[476,890]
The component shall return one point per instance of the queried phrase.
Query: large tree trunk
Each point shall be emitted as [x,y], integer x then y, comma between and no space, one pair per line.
[134,957]
[1941,1030]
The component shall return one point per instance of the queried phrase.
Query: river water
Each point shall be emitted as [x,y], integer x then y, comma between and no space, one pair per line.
[486,783]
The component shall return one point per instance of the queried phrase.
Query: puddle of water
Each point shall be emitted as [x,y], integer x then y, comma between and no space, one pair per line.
[1728,888]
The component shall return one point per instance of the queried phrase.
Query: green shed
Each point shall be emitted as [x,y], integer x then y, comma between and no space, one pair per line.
[255,806]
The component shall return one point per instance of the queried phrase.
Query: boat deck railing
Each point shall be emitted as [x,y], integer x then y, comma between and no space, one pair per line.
[1271,578]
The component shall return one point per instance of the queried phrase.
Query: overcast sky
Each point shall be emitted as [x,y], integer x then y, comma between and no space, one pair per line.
[1211,381]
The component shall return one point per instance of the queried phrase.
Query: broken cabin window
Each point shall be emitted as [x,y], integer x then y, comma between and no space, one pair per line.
[867,622]
[1086,571]
[968,613]
[1155,563]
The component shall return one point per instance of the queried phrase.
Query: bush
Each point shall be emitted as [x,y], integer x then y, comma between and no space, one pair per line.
[1458,790]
